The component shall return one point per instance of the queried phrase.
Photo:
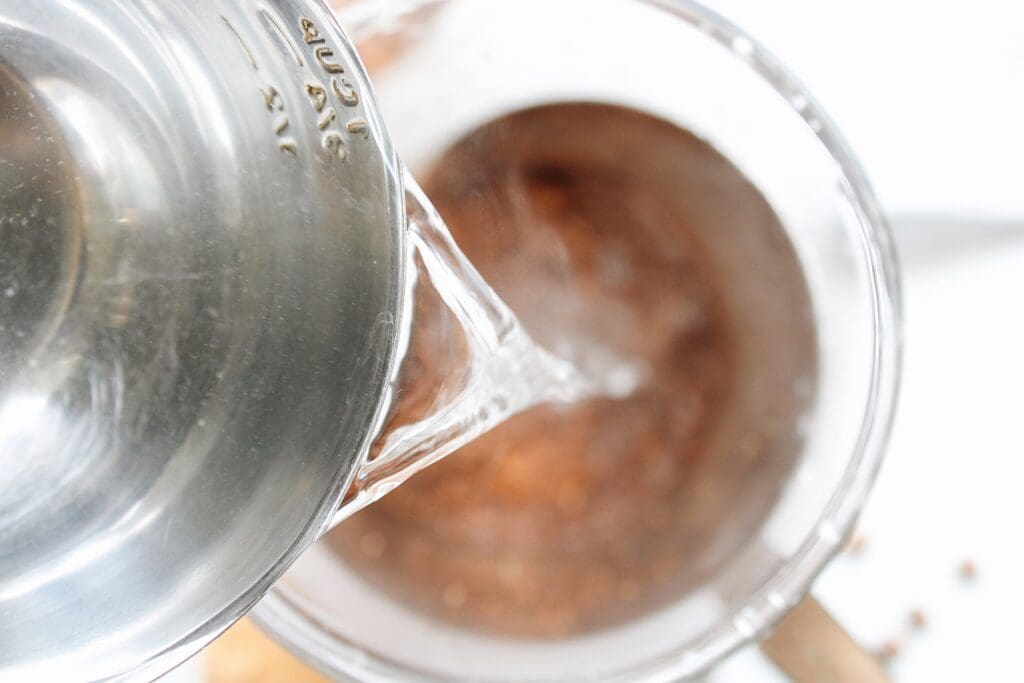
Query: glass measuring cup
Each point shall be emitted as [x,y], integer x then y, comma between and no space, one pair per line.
[682,63]
[207,262]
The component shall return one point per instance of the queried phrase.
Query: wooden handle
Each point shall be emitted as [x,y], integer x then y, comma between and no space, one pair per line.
[811,647]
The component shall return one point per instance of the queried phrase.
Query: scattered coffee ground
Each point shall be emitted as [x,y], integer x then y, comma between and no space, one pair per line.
[918,621]
[607,231]
[968,571]
[889,651]
[858,542]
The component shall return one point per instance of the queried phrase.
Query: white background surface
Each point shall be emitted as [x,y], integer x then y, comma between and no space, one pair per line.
[930,94]
[931,97]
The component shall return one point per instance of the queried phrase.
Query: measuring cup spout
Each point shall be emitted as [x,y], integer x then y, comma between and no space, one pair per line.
[465,362]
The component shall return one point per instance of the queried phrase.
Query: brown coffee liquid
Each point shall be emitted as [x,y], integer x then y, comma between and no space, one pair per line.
[605,228]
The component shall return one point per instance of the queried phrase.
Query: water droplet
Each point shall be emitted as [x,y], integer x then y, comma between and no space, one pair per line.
[776,600]
[828,533]
[742,46]
[746,622]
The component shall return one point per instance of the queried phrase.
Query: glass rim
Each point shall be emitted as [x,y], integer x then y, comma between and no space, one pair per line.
[767,605]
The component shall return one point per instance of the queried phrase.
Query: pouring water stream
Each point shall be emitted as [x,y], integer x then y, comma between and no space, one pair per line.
[502,372]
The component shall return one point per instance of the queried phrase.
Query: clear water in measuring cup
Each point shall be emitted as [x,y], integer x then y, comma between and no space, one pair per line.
[466,362]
